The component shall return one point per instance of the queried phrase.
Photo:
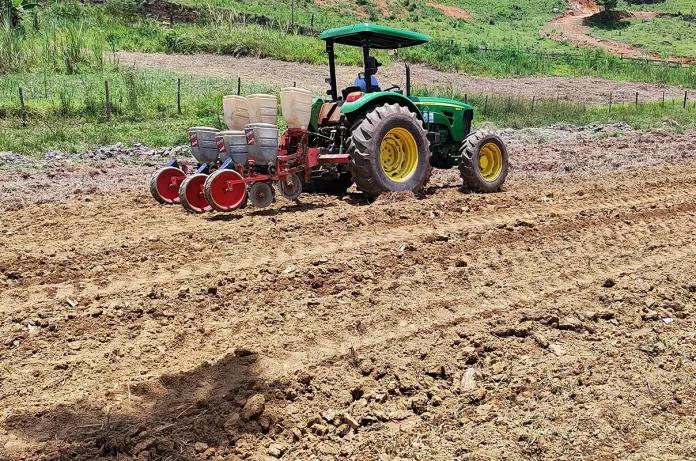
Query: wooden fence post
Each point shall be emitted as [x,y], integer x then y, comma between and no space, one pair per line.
[23,109]
[178,96]
[610,98]
[663,99]
[312,21]
[533,99]
[108,100]
[509,104]
[485,105]
[239,86]
[685,96]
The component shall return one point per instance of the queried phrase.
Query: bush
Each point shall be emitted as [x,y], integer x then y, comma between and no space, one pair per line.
[608,5]
[124,8]
[70,11]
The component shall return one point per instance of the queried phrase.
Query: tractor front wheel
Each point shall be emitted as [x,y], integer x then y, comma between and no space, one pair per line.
[389,151]
[484,162]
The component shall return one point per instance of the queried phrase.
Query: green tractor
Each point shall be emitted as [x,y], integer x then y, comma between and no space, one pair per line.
[394,139]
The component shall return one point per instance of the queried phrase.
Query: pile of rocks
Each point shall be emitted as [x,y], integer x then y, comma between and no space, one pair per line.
[12,158]
[140,152]
[116,152]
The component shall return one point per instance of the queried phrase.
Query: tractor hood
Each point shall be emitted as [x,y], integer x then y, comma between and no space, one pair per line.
[425,103]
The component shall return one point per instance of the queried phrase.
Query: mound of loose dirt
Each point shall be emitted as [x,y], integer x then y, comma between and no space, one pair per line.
[451,11]
[583,7]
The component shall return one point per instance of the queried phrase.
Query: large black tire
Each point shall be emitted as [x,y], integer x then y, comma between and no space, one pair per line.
[470,165]
[364,149]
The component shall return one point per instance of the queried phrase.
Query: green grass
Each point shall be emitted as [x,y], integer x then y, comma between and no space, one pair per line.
[67,113]
[63,55]
[666,36]
[668,6]
[513,112]
[70,38]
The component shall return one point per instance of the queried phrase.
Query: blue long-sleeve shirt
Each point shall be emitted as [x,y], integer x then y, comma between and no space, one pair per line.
[361,83]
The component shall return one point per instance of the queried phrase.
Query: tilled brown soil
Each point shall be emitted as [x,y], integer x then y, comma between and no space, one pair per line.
[553,320]
[270,72]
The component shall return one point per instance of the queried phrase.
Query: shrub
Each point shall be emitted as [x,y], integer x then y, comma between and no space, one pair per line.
[608,5]
[124,8]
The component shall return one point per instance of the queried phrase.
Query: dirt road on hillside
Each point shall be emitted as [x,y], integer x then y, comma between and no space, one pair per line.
[553,320]
[574,29]
[280,74]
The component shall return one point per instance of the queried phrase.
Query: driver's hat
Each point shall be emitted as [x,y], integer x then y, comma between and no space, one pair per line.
[372,63]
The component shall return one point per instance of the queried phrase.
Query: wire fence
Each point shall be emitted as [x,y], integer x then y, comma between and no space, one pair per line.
[133,96]
[674,61]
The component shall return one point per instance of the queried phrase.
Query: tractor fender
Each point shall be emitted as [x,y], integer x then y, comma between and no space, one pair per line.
[353,110]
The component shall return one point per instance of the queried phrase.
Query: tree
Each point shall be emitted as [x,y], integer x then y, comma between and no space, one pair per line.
[13,11]
[608,5]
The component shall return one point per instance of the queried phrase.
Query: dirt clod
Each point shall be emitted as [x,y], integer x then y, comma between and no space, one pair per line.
[254,407]
[608,283]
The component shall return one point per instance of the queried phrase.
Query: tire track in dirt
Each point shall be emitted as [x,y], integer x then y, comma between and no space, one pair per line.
[475,322]
[401,230]
[476,229]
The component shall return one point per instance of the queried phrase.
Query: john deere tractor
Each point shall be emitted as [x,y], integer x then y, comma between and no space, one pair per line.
[394,139]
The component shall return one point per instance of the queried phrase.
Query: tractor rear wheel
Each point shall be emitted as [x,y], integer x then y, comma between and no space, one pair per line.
[484,162]
[389,151]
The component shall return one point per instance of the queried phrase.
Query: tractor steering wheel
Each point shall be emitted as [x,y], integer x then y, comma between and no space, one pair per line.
[395,89]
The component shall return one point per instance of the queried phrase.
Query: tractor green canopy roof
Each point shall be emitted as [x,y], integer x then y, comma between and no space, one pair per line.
[380,37]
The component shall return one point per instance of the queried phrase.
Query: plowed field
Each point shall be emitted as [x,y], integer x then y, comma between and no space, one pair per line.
[553,320]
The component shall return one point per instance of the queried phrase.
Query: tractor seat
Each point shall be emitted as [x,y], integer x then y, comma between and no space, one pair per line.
[349,90]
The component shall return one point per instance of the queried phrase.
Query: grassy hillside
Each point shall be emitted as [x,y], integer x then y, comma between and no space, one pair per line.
[491,23]
[667,36]
[667,6]
[70,37]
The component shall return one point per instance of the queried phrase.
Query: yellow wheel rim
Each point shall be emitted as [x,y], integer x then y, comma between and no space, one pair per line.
[398,154]
[490,161]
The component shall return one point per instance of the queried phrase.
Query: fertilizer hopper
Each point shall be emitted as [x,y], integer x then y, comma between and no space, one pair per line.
[285,165]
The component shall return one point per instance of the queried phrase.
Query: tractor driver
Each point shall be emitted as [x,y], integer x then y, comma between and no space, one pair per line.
[372,65]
